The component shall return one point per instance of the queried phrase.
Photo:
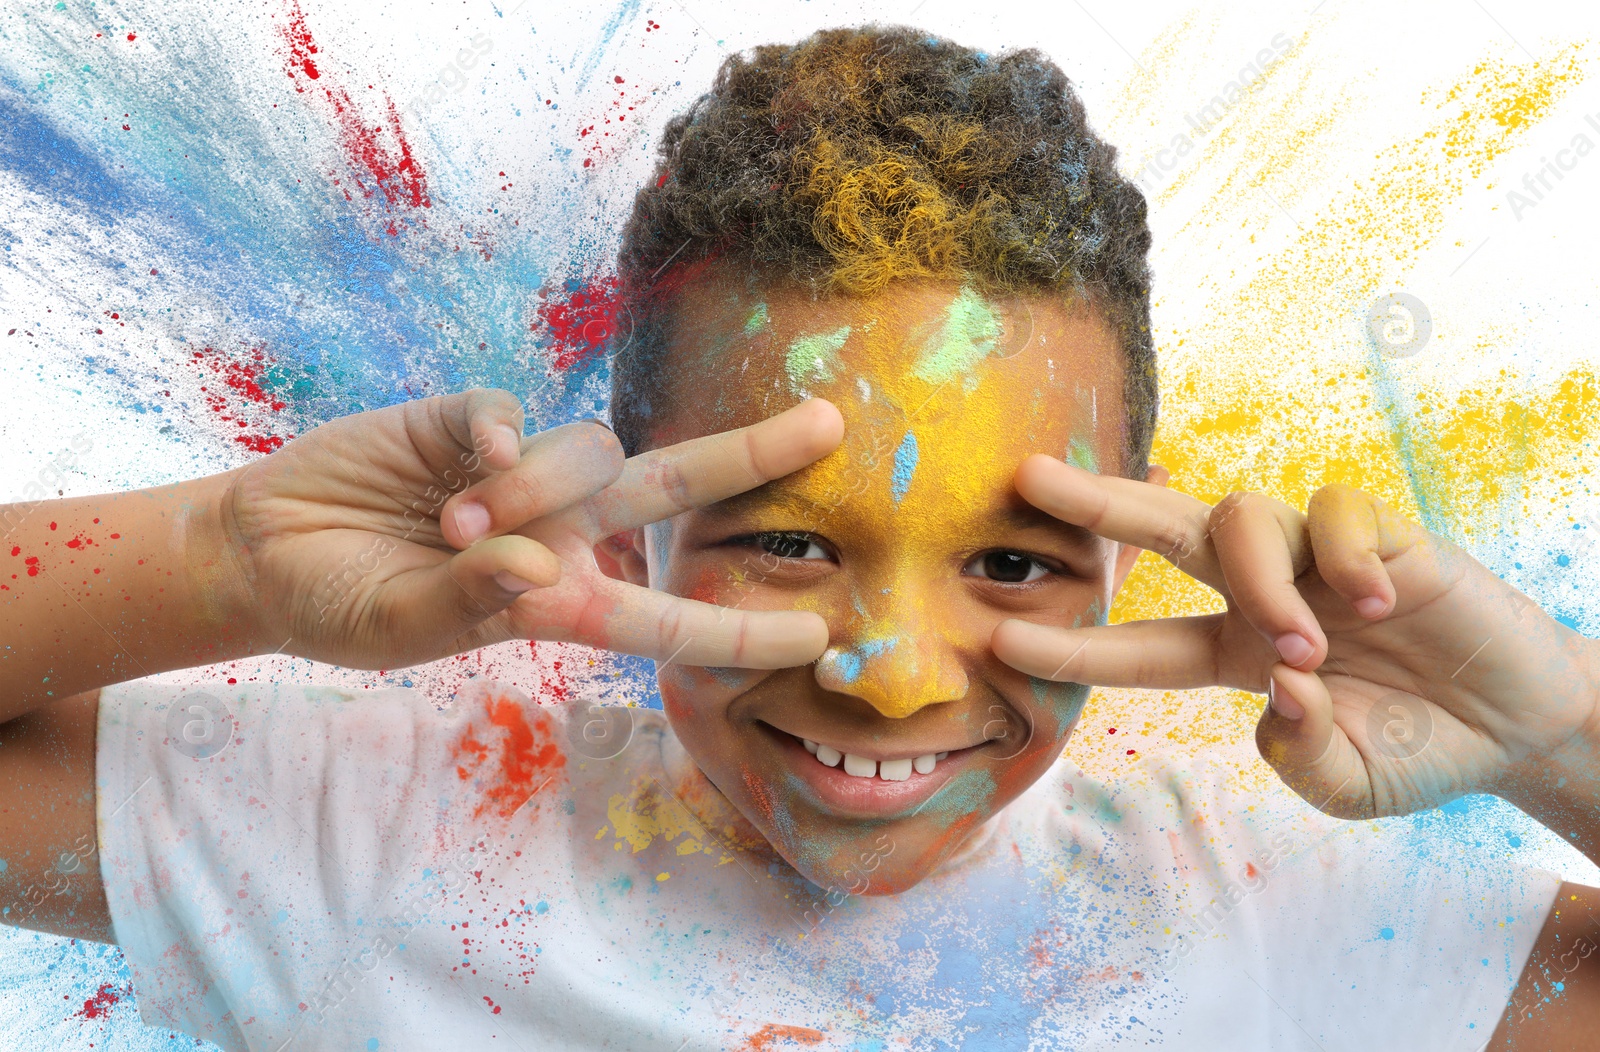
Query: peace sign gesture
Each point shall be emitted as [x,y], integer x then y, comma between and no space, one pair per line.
[406,534]
[1402,673]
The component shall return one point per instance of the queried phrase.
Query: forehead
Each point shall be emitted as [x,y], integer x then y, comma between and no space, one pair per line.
[968,374]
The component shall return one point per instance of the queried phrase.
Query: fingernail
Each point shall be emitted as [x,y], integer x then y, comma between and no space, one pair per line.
[1282,702]
[511,582]
[1371,606]
[1293,648]
[472,521]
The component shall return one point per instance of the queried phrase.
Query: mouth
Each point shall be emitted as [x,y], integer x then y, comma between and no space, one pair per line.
[853,785]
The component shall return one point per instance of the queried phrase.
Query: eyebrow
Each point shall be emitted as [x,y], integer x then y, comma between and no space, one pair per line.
[775,497]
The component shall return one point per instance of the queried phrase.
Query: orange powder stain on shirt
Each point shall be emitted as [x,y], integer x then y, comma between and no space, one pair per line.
[512,756]
[768,1036]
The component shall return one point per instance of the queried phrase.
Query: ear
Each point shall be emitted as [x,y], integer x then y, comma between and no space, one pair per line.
[621,558]
[1127,554]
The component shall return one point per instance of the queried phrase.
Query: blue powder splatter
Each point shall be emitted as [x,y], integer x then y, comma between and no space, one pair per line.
[905,463]
[1387,933]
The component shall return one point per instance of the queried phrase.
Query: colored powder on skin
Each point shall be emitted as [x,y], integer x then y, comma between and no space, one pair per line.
[970,332]
[1065,700]
[815,357]
[967,793]
[849,661]
[905,463]
[757,321]
[1080,453]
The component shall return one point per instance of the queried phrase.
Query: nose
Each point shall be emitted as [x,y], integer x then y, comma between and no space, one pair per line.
[896,668]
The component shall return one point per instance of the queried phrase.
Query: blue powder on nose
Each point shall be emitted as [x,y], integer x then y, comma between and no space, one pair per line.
[849,664]
[905,463]
[849,661]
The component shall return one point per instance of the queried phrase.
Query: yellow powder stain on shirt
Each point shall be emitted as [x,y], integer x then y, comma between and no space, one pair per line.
[643,815]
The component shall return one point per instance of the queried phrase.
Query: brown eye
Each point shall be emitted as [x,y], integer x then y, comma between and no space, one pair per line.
[1006,567]
[790,545]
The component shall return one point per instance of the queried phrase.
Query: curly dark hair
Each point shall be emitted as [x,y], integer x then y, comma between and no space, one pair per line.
[862,156]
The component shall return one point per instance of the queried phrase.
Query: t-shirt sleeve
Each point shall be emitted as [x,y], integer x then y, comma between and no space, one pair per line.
[245,832]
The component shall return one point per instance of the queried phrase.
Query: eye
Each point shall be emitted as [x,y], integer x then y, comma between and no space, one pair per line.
[1006,567]
[790,545]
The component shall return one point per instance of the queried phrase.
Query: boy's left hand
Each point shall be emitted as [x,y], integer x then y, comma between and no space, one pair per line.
[1403,672]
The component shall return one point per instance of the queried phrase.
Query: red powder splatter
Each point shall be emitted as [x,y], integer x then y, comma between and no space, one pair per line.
[768,1037]
[494,1008]
[241,390]
[579,321]
[133,36]
[301,46]
[379,156]
[1250,870]
[515,754]
[32,563]
[99,1006]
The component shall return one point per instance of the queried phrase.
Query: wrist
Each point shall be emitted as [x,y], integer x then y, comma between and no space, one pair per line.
[223,612]
[1561,787]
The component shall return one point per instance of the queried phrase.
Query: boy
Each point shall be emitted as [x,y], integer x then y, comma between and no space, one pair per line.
[850,827]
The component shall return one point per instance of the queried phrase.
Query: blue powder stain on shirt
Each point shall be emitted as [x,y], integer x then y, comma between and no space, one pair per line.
[1387,933]
[1514,840]
[1563,560]
[372,1044]
[905,463]
[541,906]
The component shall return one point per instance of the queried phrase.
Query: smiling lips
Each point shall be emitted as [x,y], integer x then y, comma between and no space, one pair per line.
[865,767]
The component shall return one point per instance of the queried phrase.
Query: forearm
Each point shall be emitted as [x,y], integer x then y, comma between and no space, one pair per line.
[97,590]
[1561,789]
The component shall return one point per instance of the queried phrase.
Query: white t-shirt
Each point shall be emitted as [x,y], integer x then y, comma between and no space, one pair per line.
[367,872]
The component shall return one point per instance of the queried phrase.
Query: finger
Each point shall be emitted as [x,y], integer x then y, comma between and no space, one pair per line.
[673,630]
[1298,738]
[663,482]
[1262,547]
[557,469]
[494,425]
[1161,520]
[1176,653]
[1351,535]
[461,593]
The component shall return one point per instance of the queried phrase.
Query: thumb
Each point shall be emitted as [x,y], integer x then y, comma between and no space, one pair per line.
[456,596]
[1300,741]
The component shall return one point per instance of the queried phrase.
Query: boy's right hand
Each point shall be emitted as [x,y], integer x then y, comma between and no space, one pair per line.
[407,534]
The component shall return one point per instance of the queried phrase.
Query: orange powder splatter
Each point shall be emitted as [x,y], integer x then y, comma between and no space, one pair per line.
[512,756]
[769,1036]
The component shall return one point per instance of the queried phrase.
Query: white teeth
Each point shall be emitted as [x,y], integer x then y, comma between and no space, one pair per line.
[862,767]
[859,766]
[894,770]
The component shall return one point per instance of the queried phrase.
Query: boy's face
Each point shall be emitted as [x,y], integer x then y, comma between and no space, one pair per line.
[911,543]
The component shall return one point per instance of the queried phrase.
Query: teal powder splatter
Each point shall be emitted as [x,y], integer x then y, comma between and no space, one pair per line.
[757,320]
[1081,454]
[905,464]
[966,793]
